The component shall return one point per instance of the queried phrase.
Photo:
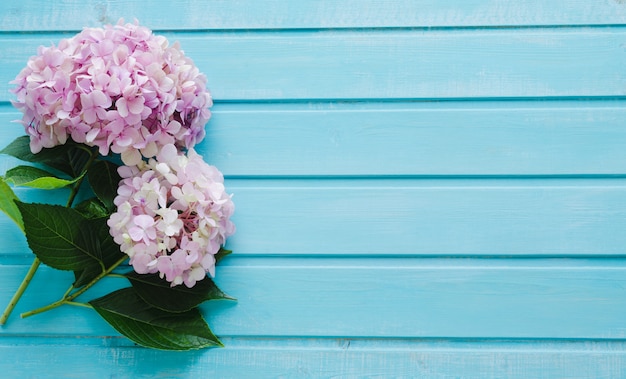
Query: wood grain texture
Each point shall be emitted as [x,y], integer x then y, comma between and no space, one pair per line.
[389,64]
[376,298]
[407,139]
[422,188]
[326,358]
[415,218]
[418,217]
[41,15]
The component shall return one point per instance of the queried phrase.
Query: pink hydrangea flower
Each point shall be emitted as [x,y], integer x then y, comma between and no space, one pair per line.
[173,215]
[120,88]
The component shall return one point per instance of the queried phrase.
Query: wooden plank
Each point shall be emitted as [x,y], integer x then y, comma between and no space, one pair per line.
[475,138]
[373,298]
[467,138]
[480,138]
[272,14]
[430,217]
[419,217]
[389,64]
[318,358]
[566,138]
[449,138]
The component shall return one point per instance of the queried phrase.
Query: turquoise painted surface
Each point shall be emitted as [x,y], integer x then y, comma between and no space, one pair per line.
[423,189]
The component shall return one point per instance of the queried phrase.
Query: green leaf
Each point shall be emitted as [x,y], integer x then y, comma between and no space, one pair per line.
[57,235]
[20,149]
[28,176]
[87,274]
[151,327]
[101,245]
[92,208]
[221,254]
[158,292]
[104,180]
[69,158]
[7,204]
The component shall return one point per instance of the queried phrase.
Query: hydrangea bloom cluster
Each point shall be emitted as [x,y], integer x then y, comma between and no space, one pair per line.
[173,214]
[120,88]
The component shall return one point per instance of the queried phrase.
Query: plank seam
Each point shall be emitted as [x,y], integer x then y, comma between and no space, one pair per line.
[347,29]
[571,345]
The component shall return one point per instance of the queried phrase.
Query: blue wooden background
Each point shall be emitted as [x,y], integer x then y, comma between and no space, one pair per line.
[423,189]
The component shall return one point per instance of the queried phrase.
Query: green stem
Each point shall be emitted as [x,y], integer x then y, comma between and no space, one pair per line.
[69,298]
[42,309]
[36,262]
[68,291]
[77,304]
[20,290]
[96,279]
[76,186]
[114,275]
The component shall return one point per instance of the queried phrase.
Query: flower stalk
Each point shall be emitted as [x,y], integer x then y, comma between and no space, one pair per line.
[68,298]
[36,262]
[20,291]
[79,182]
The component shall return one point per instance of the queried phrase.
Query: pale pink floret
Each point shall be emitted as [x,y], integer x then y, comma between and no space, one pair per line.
[119,88]
[173,215]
